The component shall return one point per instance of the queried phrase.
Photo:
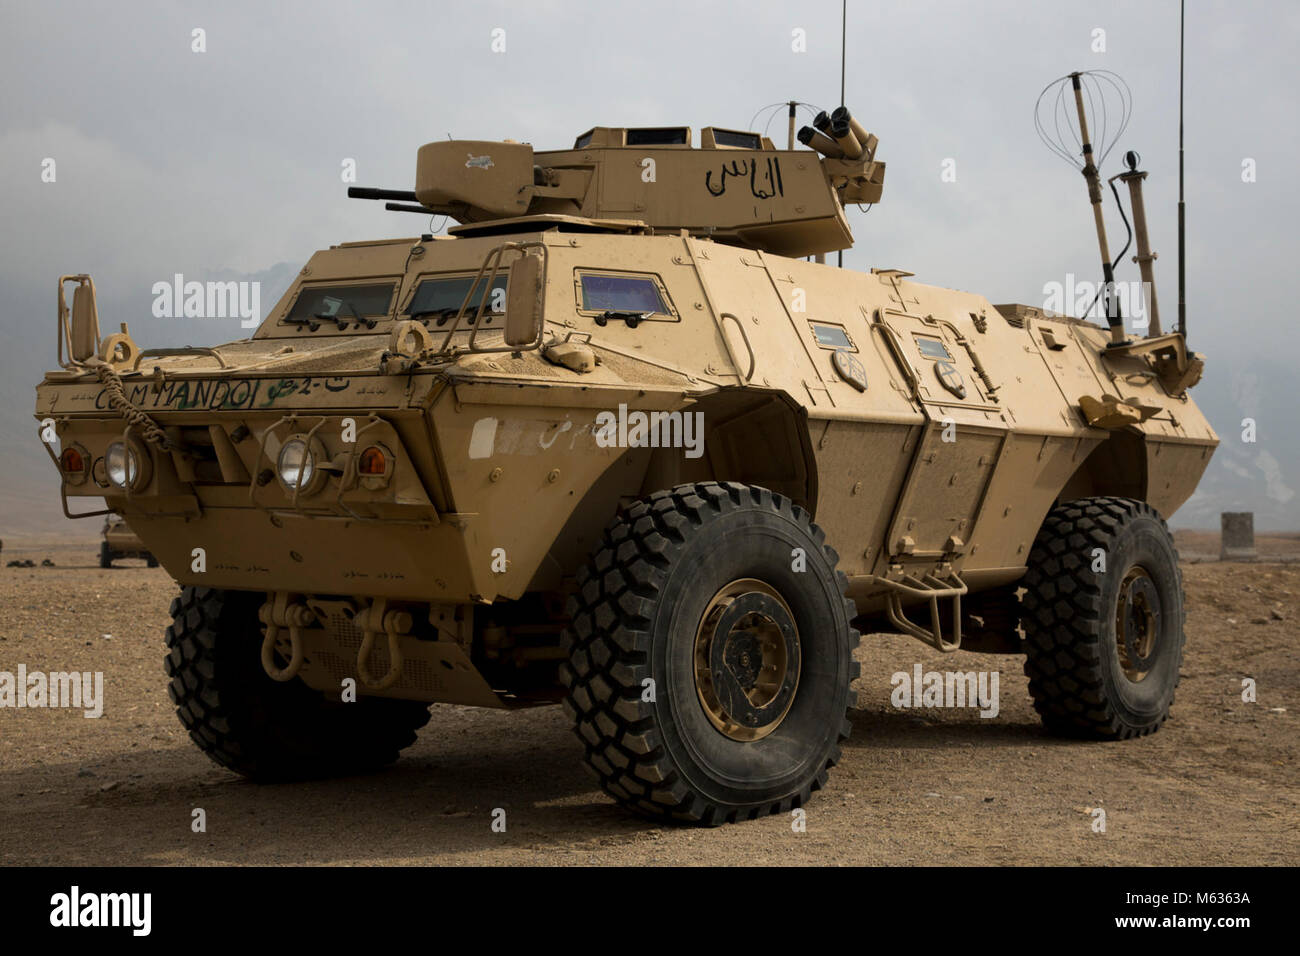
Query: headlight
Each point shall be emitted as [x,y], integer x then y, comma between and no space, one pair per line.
[296,465]
[122,465]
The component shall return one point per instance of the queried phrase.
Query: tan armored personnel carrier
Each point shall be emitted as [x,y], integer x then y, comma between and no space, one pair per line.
[619,440]
[119,541]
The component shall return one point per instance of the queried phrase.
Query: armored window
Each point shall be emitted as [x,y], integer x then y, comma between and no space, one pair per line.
[932,348]
[728,137]
[662,136]
[346,302]
[442,297]
[601,292]
[831,336]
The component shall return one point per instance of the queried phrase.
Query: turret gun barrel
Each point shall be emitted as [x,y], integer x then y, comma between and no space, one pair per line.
[369,192]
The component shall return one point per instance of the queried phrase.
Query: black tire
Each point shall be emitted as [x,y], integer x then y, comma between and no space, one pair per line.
[151,561]
[105,555]
[1084,681]
[261,728]
[641,601]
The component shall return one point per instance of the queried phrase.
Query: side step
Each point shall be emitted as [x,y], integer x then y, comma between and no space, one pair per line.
[932,587]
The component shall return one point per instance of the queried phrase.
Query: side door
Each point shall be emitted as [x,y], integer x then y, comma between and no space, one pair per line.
[964,436]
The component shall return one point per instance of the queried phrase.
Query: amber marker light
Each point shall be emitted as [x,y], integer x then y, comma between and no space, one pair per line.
[72,462]
[373,461]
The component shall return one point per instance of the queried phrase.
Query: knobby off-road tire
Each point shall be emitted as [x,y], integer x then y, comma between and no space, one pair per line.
[261,728]
[1104,649]
[711,567]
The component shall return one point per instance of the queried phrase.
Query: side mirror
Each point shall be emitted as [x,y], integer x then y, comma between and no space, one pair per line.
[85,323]
[524,301]
[82,328]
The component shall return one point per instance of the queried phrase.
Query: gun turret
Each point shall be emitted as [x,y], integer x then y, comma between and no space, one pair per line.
[736,187]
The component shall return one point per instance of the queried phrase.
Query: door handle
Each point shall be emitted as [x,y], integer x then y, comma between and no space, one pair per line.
[753,360]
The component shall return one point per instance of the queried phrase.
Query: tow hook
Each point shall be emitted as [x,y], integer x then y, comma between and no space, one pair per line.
[373,621]
[292,616]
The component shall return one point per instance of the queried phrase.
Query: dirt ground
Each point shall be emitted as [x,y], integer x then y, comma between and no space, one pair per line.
[1217,785]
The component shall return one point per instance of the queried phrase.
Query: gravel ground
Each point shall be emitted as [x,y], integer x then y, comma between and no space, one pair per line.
[1217,785]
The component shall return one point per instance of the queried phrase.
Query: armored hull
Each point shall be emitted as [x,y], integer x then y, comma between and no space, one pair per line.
[507,465]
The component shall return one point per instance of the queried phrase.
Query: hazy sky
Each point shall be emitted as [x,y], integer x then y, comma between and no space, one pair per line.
[227,162]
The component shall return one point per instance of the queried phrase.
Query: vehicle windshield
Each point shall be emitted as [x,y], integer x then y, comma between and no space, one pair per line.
[345,302]
[443,297]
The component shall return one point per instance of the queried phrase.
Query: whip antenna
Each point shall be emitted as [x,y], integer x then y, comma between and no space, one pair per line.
[1182,206]
[844,24]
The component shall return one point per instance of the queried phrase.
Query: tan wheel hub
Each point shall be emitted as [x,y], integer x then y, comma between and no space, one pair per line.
[747,660]
[1137,623]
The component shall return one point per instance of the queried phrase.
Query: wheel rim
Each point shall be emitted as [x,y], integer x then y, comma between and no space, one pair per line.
[1137,624]
[747,660]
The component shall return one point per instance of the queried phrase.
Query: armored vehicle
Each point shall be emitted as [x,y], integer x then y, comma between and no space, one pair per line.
[620,439]
[121,542]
